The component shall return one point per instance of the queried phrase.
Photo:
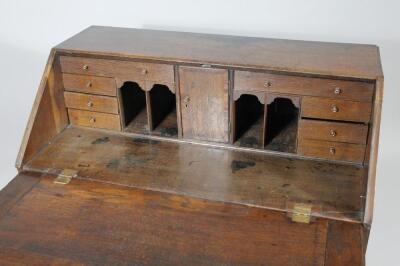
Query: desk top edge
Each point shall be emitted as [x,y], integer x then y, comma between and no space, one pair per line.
[360,61]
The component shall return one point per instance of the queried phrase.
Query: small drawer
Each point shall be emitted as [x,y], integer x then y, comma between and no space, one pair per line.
[324,108]
[120,69]
[90,84]
[90,102]
[332,150]
[333,131]
[93,119]
[330,88]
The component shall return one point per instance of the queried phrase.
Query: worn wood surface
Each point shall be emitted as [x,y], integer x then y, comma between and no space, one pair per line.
[204,103]
[123,70]
[323,108]
[89,84]
[333,131]
[48,116]
[336,59]
[329,88]
[94,119]
[15,190]
[373,145]
[202,189]
[345,244]
[95,103]
[91,223]
[332,150]
[207,172]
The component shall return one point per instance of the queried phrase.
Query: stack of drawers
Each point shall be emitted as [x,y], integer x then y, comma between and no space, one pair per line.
[336,128]
[91,100]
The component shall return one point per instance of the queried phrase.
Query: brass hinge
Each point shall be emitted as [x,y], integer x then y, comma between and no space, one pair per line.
[301,213]
[65,176]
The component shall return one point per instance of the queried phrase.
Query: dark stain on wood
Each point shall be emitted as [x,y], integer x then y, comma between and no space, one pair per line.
[113,164]
[145,141]
[175,166]
[250,142]
[169,132]
[239,165]
[101,140]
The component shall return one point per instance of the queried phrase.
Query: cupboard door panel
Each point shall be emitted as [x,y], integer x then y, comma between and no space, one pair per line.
[204,103]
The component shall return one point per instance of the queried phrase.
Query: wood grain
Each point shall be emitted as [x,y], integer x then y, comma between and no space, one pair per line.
[91,223]
[142,199]
[334,59]
[91,102]
[89,84]
[333,131]
[345,90]
[18,187]
[94,119]
[373,145]
[207,172]
[323,149]
[316,107]
[48,116]
[204,103]
[125,70]
[345,245]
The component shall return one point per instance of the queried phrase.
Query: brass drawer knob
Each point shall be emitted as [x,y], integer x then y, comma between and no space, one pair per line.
[89,84]
[92,120]
[267,84]
[333,133]
[85,67]
[332,150]
[144,71]
[337,91]
[90,104]
[335,109]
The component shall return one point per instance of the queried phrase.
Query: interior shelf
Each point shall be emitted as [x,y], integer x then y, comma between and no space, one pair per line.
[163,112]
[149,112]
[139,124]
[282,123]
[133,100]
[271,126]
[249,122]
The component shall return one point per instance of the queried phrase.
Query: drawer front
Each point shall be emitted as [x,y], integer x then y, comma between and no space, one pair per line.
[330,88]
[121,69]
[90,84]
[90,102]
[333,131]
[93,119]
[332,150]
[324,108]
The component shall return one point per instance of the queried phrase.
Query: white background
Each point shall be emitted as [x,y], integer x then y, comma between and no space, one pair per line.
[28,29]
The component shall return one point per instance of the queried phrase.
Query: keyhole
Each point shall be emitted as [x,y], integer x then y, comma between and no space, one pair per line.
[186,100]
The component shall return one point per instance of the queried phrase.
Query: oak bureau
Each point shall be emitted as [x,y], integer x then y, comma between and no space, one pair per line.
[149,147]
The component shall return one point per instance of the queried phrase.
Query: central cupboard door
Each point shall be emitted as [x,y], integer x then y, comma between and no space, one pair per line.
[204,103]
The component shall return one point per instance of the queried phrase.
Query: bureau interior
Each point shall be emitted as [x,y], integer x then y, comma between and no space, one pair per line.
[247,109]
